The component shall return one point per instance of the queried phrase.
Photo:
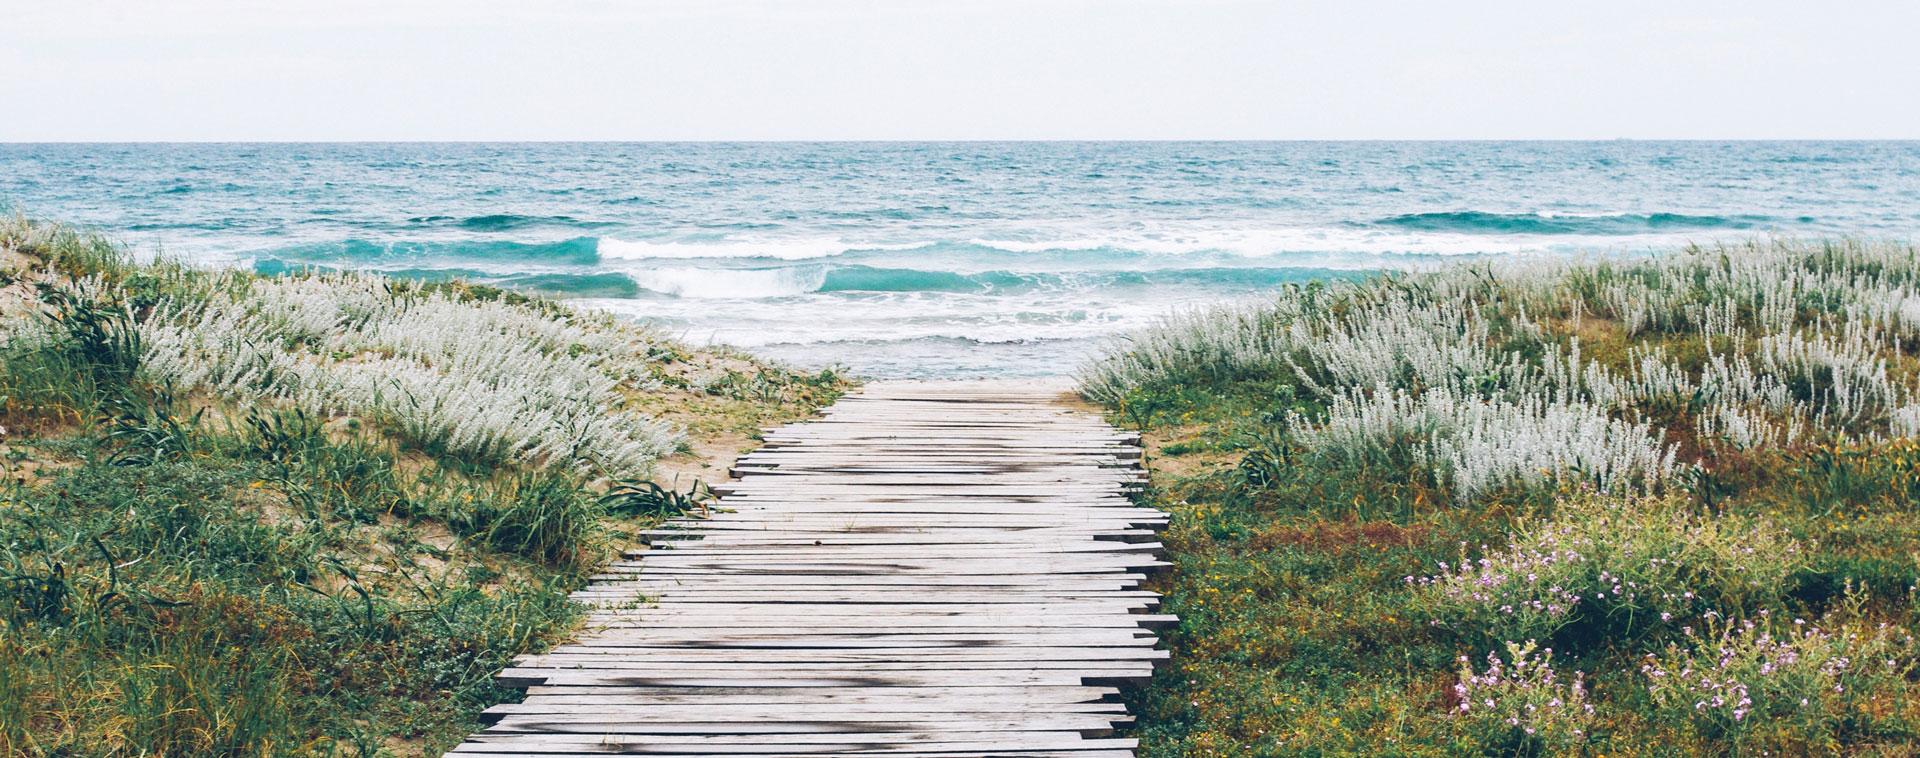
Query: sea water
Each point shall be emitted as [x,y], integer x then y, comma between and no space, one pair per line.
[943,259]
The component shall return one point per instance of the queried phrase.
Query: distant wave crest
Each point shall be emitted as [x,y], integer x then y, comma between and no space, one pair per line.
[731,283]
[730,267]
[1481,222]
[789,250]
[1452,233]
[502,222]
[713,283]
[580,251]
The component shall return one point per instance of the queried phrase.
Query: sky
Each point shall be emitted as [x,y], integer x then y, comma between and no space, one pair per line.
[218,70]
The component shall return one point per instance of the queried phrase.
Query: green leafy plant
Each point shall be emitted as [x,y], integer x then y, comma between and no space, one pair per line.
[640,497]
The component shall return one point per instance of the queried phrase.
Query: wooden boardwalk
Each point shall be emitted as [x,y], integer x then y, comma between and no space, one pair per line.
[932,569]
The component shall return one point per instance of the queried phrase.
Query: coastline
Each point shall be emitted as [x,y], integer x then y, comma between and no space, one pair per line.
[911,259]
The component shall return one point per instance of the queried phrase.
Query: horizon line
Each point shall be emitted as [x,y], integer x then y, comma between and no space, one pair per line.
[940,140]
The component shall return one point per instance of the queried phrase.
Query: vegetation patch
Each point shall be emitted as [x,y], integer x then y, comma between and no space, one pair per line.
[313,514]
[1658,506]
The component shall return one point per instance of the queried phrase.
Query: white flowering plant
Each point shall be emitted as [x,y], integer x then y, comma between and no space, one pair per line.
[488,381]
[1455,371]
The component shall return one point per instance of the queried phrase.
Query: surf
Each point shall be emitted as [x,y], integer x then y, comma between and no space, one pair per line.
[1481,222]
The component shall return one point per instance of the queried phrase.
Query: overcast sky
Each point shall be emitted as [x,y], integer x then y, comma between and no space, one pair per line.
[955,69]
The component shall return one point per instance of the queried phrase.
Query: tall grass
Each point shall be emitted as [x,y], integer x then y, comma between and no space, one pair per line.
[1562,365]
[488,381]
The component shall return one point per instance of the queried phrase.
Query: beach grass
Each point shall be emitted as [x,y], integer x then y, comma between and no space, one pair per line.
[1620,506]
[312,514]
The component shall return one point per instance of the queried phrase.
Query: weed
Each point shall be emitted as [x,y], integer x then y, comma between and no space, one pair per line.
[543,516]
[646,498]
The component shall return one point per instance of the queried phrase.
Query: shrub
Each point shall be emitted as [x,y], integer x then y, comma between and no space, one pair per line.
[1481,445]
[489,382]
[1520,707]
[1619,565]
[1778,686]
[1775,342]
[644,498]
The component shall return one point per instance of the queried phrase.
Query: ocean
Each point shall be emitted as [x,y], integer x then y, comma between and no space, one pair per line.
[943,259]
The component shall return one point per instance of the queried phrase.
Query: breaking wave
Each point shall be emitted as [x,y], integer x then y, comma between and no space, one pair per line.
[1480,222]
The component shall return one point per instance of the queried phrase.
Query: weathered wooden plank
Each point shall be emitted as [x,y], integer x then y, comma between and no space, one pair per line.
[642,723]
[871,551]
[808,712]
[792,595]
[665,563]
[929,569]
[800,640]
[665,598]
[814,752]
[850,694]
[833,754]
[690,580]
[857,622]
[773,665]
[603,631]
[945,741]
[723,682]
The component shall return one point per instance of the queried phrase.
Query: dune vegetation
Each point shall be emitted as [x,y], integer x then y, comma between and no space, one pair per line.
[1620,506]
[313,513]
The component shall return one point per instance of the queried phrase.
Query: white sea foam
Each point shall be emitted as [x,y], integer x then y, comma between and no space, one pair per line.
[712,283]
[825,318]
[1250,243]
[1041,246]
[1339,240]
[788,249]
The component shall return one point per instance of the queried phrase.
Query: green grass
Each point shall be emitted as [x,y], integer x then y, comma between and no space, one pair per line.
[182,575]
[1301,634]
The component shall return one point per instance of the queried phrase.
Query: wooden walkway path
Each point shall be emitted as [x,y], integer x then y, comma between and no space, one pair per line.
[932,569]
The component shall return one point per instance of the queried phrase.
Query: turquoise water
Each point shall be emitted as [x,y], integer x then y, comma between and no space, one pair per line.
[943,259]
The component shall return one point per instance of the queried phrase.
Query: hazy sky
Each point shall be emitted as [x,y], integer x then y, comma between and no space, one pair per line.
[954,69]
